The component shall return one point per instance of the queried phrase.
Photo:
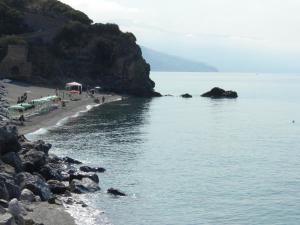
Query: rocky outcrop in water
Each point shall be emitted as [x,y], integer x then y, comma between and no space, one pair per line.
[88,169]
[115,192]
[220,93]
[186,95]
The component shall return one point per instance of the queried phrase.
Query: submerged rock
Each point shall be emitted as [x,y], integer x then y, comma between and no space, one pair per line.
[220,93]
[71,161]
[115,192]
[186,95]
[88,169]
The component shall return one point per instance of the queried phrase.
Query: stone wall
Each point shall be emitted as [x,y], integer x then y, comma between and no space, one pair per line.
[15,65]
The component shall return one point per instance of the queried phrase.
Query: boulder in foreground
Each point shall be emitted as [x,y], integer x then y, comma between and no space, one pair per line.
[217,92]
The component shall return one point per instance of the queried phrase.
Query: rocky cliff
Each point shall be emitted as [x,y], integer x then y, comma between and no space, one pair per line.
[64,45]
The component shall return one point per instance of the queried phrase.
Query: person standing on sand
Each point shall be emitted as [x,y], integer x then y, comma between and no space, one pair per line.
[103,99]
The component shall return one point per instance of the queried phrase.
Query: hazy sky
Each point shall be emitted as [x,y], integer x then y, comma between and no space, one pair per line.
[233,35]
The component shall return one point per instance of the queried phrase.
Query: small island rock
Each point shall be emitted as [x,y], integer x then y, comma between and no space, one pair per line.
[186,95]
[217,92]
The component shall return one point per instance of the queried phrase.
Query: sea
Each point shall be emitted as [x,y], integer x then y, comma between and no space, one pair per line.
[191,161]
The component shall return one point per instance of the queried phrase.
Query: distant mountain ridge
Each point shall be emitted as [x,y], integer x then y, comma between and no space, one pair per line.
[168,63]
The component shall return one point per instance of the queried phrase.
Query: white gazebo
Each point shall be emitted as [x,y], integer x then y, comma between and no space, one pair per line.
[74,86]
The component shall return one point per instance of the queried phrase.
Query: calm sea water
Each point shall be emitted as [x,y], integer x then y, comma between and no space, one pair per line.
[194,161]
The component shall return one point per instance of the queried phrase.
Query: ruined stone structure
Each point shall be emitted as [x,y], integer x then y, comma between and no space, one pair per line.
[15,65]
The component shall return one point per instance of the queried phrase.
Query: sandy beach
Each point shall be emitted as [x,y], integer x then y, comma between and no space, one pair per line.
[36,122]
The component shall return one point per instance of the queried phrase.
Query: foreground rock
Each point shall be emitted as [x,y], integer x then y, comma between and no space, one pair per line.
[27,195]
[36,184]
[44,213]
[9,139]
[220,93]
[30,175]
[57,187]
[7,219]
[83,186]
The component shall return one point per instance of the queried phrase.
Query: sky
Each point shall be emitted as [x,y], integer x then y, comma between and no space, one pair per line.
[232,35]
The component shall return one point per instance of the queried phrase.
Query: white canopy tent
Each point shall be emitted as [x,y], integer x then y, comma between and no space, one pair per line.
[74,86]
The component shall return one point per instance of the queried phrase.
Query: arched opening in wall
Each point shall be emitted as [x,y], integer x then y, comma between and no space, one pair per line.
[15,71]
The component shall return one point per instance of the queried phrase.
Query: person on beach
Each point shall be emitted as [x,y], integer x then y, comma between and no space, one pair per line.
[22,118]
[103,99]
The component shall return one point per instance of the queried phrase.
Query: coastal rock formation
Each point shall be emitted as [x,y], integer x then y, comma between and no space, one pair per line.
[115,192]
[79,176]
[34,183]
[29,174]
[220,93]
[27,195]
[50,43]
[83,186]
[57,187]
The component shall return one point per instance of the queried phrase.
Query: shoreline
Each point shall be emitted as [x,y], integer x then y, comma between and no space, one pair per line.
[56,116]
[43,212]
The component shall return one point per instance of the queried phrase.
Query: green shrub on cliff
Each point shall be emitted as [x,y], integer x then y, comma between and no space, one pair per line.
[52,8]
[11,20]
[58,8]
[11,40]
[70,38]
[109,28]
